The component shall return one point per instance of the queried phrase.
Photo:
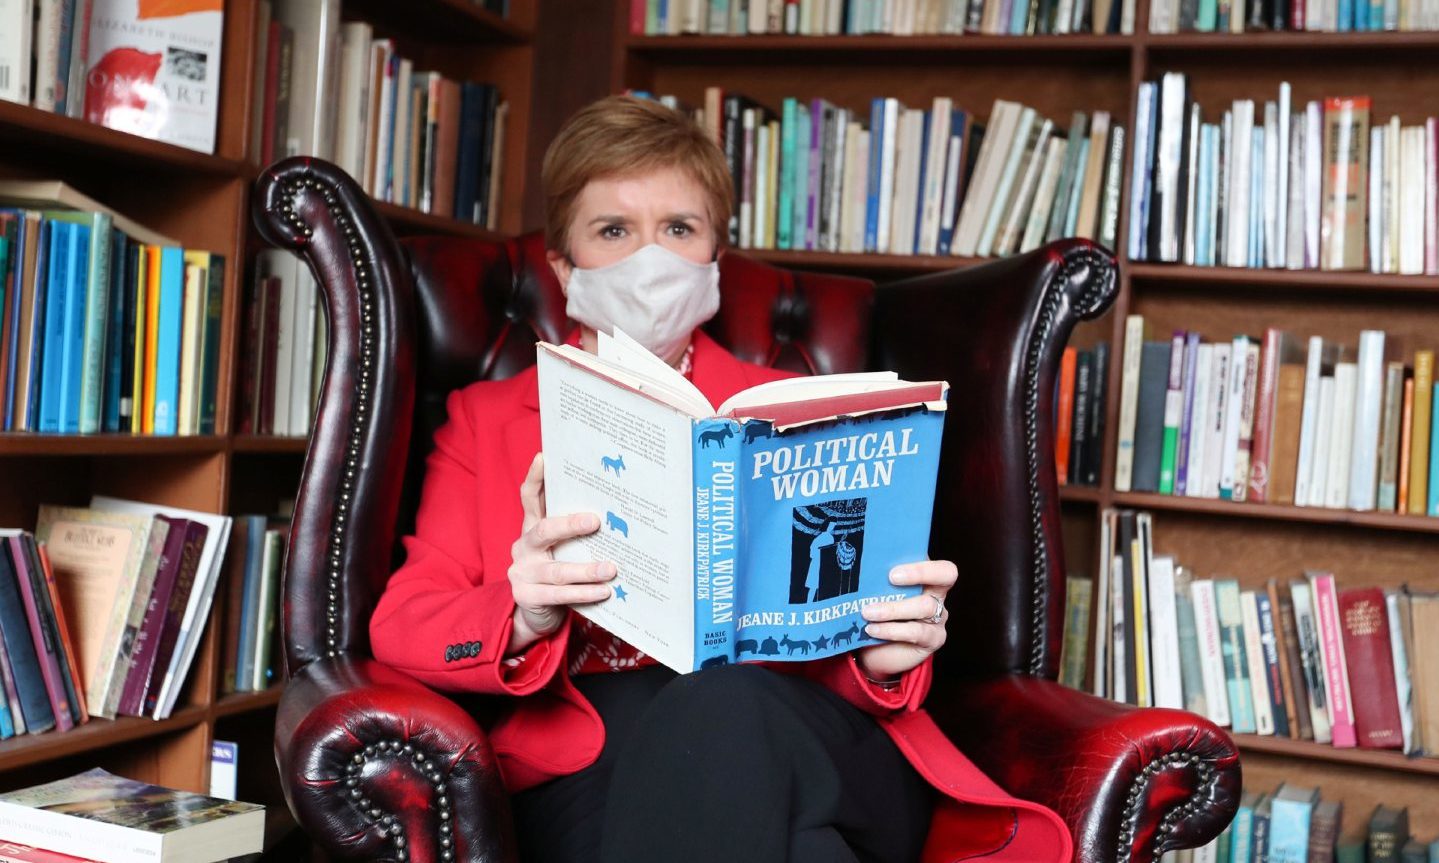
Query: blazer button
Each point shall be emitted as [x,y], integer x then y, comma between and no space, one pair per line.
[474,648]
[449,653]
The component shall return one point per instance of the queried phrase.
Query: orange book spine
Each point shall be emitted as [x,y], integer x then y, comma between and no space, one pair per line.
[152,339]
[66,642]
[1064,423]
[1406,427]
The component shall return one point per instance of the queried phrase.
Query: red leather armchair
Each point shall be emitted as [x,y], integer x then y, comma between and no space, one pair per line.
[378,767]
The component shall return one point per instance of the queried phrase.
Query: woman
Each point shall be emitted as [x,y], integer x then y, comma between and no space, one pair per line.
[603,748]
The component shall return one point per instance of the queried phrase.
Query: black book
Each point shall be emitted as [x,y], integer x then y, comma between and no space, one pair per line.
[1388,834]
[49,625]
[733,134]
[488,109]
[1149,422]
[24,662]
[1260,845]
[1083,413]
[1100,387]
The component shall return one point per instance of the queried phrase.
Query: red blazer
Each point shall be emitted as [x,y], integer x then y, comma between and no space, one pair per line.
[446,614]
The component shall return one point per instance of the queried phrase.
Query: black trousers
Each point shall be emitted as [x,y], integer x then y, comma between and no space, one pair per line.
[736,763]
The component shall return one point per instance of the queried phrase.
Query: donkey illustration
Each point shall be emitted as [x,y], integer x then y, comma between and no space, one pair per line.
[846,635]
[717,436]
[615,464]
[801,646]
[614,522]
[756,430]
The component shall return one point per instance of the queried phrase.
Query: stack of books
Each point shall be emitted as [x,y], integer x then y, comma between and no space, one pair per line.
[1080,404]
[251,652]
[98,816]
[1272,186]
[105,325]
[133,585]
[1222,16]
[409,137]
[1300,658]
[284,344]
[914,182]
[1272,420]
[897,17]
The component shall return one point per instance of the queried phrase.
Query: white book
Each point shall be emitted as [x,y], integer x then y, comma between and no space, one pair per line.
[1023,200]
[1379,190]
[1431,193]
[301,369]
[758,16]
[857,190]
[187,413]
[1234,409]
[985,177]
[400,151]
[314,77]
[1270,252]
[197,609]
[45,44]
[1313,182]
[1282,165]
[1199,420]
[1120,686]
[1307,629]
[941,115]
[1101,605]
[1307,417]
[1044,196]
[887,144]
[16,36]
[949,207]
[1393,195]
[1211,655]
[385,118]
[1295,213]
[748,118]
[1402,687]
[1191,199]
[832,177]
[1215,420]
[759,238]
[1139,169]
[1254,655]
[353,107]
[224,757]
[1368,402]
[1323,439]
[1164,635]
[284,266]
[1128,402]
[909,143]
[1341,444]
[1411,222]
[1236,245]
[1020,143]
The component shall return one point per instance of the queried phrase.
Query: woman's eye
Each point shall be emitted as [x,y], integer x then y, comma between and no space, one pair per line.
[612,232]
[680,229]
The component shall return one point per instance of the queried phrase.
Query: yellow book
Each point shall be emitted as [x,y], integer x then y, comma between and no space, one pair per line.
[197,275]
[1419,438]
[152,337]
[1139,581]
[142,318]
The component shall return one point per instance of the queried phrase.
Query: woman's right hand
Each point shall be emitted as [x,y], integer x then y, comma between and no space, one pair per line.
[543,587]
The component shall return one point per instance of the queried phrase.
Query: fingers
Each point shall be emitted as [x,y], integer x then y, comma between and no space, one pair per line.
[549,532]
[543,584]
[537,596]
[532,491]
[920,608]
[931,573]
[926,636]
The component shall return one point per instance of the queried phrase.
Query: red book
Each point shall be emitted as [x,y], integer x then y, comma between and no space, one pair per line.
[1364,621]
[637,17]
[82,713]
[46,648]
[14,852]
[147,639]
[1064,421]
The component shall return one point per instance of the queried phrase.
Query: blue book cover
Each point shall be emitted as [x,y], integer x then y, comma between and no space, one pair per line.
[29,419]
[876,157]
[92,279]
[1269,639]
[1202,203]
[795,509]
[1289,817]
[167,341]
[1434,474]
[77,281]
[22,229]
[1241,830]
[800,210]
[1236,662]
[120,312]
[949,206]
[784,218]
[254,561]
[1346,15]
[52,356]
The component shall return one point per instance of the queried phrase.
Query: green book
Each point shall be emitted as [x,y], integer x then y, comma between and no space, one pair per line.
[96,307]
[798,232]
[1224,845]
[785,218]
[210,344]
[1349,852]
[1388,833]
[1073,650]
[1241,837]
[1173,413]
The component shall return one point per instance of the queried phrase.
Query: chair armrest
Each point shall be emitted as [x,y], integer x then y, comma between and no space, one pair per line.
[376,766]
[1131,783]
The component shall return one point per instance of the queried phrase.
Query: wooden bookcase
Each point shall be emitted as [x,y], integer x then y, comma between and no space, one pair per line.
[204,201]
[1061,74]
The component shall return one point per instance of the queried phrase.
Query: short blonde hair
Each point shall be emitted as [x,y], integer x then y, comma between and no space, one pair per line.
[622,136]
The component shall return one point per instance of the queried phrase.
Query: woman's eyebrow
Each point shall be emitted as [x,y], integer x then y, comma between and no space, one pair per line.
[683,215]
[609,219]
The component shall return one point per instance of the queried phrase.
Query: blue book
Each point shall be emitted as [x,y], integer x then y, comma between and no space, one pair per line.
[794,518]
[120,313]
[800,192]
[1346,15]
[1256,200]
[876,159]
[167,340]
[1433,473]
[1289,816]
[784,217]
[1241,829]
[254,564]
[953,184]
[1203,205]
[1259,831]
[52,364]
[77,281]
[1236,661]
[93,280]
[914,242]
[30,411]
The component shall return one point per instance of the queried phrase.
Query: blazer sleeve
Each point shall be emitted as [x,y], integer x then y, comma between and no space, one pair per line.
[445,617]
[843,676]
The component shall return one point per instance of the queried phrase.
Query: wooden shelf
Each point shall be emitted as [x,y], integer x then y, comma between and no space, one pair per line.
[1080,494]
[877,47]
[1309,514]
[860,264]
[27,125]
[1253,43]
[24,443]
[1381,758]
[260,443]
[237,703]
[407,220]
[95,734]
[453,21]
[1297,280]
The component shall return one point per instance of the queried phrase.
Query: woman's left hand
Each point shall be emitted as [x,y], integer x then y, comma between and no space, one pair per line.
[913,628]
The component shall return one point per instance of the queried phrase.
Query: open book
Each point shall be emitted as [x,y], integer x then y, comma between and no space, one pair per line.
[755,530]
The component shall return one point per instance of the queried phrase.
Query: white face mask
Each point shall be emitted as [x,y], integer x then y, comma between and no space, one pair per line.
[654,295]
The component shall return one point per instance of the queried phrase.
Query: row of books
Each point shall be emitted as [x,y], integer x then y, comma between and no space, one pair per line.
[893,17]
[101,611]
[1302,659]
[250,653]
[1294,823]
[914,181]
[284,347]
[1270,420]
[1081,396]
[1269,186]
[148,69]
[409,137]
[1223,16]
[105,325]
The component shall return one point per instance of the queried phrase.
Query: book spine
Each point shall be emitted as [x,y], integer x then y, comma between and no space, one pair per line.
[175,608]
[1186,417]
[1211,652]
[1264,417]
[167,355]
[1236,668]
[1311,661]
[30,692]
[1128,402]
[1173,413]
[1388,481]
[121,308]
[1419,438]
[69,668]
[97,303]
[210,344]
[1273,673]
[147,637]
[1246,423]
[46,648]
[1363,464]
[715,540]
[1364,622]
[1254,656]
[1331,648]
[1296,693]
